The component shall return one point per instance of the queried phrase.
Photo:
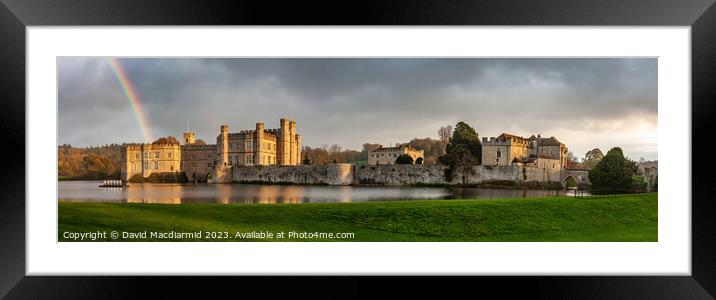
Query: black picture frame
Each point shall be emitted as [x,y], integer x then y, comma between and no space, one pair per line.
[16,15]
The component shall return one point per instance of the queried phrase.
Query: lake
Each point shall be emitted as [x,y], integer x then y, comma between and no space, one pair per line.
[89,191]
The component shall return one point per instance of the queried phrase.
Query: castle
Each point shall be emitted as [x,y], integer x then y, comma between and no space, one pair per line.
[547,156]
[257,147]
[388,155]
[235,154]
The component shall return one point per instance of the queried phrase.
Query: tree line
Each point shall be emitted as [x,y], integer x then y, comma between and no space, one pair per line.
[326,154]
[89,163]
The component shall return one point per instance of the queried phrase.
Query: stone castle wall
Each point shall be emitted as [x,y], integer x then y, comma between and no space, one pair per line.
[333,174]
[347,174]
[399,174]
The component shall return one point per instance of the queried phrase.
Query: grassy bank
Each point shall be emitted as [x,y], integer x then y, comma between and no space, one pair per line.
[617,218]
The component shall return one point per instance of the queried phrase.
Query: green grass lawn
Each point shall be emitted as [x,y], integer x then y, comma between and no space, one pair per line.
[553,219]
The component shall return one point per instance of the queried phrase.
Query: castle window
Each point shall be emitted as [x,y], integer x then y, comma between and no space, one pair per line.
[146,155]
[170,155]
[156,165]
[136,156]
[171,168]
[156,154]
[499,153]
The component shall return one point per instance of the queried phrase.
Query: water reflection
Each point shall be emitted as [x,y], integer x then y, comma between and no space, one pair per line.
[89,191]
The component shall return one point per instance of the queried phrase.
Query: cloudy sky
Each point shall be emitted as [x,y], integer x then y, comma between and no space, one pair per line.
[585,103]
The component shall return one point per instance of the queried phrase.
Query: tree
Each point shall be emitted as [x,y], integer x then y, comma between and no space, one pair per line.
[464,138]
[613,173]
[591,158]
[432,148]
[572,162]
[96,162]
[444,133]
[463,151]
[404,159]
[317,156]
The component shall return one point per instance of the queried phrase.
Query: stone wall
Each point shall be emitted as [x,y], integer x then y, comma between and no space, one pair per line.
[222,174]
[544,170]
[399,174]
[348,174]
[333,174]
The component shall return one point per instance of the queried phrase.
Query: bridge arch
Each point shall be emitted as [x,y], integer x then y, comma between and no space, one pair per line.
[570,181]
[580,176]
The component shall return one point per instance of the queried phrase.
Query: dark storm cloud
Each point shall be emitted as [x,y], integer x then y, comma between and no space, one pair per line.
[596,102]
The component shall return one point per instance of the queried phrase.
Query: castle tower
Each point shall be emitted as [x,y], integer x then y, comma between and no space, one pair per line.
[292,134]
[298,149]
[285,142]
[258,143]
[223,145]
[189,138]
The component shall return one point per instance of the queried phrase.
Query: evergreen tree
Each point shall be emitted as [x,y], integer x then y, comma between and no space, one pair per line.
[464,146]
[463,151]
[613,173]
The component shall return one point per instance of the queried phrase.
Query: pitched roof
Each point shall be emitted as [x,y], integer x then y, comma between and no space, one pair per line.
[507,135]
[551,141]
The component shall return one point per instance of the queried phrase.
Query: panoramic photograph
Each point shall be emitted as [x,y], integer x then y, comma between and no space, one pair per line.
[364,149]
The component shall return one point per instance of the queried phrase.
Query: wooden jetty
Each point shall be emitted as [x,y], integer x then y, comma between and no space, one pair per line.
[112,183]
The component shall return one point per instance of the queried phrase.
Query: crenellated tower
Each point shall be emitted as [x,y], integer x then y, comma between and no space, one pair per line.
[298,149]
[222,145]
[258,143]
[189,137]
[284,149]
[292,135]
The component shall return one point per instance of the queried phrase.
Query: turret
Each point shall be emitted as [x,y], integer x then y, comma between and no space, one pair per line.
[258,142]
[188,137]
[293,153]
[298,149]
[284,143]
[223,145]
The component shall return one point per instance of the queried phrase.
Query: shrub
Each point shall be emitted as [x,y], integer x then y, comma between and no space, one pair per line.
[638,185]
[164,177]
[404,159]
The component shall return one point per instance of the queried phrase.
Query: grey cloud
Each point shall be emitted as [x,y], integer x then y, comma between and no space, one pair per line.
[350,101]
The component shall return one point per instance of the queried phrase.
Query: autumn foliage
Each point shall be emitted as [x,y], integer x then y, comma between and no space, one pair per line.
[91,163]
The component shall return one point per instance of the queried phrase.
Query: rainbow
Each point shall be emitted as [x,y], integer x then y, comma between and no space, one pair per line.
[131,94]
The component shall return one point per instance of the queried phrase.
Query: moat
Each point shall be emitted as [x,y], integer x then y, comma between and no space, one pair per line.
[89,191]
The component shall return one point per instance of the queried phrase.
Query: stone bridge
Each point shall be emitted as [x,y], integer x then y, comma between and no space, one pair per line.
[581,176]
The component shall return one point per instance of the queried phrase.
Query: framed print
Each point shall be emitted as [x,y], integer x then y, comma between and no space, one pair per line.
[334,150]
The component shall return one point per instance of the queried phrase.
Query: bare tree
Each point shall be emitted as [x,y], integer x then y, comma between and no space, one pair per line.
[444,133]
[335,148]
[572,162]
